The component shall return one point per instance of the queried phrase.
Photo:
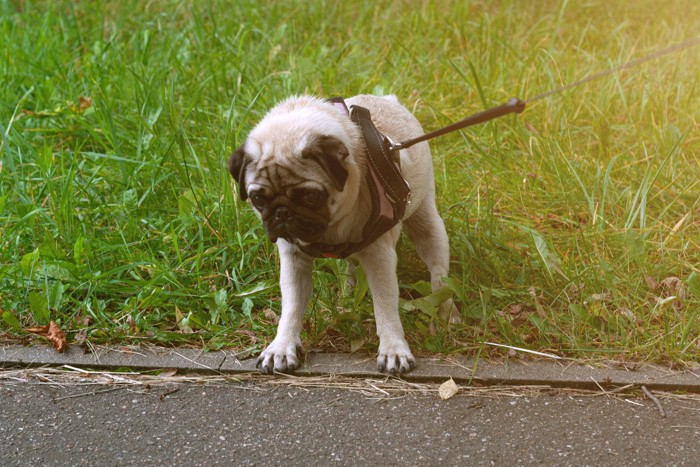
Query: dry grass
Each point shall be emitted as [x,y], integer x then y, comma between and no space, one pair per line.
[372,388]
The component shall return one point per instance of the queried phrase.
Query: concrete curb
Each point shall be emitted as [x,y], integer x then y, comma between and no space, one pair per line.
[521,372]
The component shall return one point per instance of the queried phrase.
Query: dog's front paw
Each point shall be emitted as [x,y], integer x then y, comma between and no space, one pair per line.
[395,356]
[282,355]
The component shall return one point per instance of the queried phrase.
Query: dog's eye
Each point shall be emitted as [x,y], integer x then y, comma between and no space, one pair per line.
[258,200]
[311,198]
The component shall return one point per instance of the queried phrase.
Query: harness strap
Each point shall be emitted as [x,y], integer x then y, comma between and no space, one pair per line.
[389,192]
[382,159]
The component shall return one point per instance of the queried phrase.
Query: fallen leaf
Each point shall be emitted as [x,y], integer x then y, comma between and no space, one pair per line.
[538,306]
[53,334]
[531,128]
[626,312]
[357,344]
[271,316]
[673,287]
[81,337]
[448,389]
[84,103]
[600,297]
[651,282]
[38,330]
[516,309]
[182,322]
[57,337]
[517,313]
[132,324]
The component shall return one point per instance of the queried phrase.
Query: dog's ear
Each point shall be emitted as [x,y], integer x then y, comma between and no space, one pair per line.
[330,153]
[237,165]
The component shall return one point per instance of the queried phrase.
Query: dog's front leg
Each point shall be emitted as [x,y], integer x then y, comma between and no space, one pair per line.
[379,263]
[295,283]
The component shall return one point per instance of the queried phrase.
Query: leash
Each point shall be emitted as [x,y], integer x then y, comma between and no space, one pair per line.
[390,193]
[516,105]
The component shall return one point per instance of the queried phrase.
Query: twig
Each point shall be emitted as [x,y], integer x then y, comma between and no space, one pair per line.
[612,391]
[196,362]
[378,389]
[168,392]
[655,400]
[534,352]
[601,387]
[621,388]
[93,351]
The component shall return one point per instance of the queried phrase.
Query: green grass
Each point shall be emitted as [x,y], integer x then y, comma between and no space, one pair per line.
[119,221]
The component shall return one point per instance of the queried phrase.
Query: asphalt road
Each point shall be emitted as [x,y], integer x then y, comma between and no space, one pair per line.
[249,424]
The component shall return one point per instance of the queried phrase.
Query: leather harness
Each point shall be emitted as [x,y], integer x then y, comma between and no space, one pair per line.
[389,191]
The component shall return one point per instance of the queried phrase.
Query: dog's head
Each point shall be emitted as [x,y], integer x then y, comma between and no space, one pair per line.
[294,168]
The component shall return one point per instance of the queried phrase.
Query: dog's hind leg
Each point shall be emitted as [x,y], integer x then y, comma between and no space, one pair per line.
[427,231]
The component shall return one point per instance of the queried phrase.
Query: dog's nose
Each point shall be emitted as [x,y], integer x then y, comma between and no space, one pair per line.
[283,214]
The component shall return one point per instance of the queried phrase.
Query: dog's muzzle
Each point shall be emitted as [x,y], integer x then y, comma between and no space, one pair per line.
[283,222]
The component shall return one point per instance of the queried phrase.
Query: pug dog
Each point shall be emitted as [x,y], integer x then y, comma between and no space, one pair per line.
[303,169]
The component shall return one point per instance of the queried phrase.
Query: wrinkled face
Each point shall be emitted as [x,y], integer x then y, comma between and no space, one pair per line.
[290,206]
[291,186]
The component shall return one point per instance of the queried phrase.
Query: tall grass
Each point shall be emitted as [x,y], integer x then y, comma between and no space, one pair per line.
[118,218]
